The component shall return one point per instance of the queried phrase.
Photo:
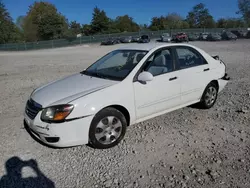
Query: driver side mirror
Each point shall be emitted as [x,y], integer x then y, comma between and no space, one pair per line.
[145,77]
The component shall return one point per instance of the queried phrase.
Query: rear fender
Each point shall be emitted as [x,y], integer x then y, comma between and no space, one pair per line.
[225,79]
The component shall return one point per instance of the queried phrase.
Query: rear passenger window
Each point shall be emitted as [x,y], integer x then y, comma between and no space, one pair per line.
[189,58]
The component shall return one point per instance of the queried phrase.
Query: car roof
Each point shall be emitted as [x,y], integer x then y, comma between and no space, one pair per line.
[150,46]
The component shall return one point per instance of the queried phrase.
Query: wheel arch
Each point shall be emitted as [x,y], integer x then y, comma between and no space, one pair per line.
[216,84]
[122,109]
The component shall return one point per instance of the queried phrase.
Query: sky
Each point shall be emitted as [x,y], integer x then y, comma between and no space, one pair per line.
[141,10]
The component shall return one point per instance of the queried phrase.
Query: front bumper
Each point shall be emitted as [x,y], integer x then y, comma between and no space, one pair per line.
[64,134]
[166,40]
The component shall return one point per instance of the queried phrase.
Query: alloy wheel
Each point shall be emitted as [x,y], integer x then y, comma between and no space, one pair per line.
[108,130]
[210,96]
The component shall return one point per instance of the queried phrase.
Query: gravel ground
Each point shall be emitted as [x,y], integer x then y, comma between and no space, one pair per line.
[185,148]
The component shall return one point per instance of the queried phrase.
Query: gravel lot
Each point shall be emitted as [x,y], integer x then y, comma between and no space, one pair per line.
[185,148]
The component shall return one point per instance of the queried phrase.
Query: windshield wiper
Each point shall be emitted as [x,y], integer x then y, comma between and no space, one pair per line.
[95,74]
[100,75]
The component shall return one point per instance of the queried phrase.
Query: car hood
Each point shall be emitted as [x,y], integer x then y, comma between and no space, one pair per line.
[68,89]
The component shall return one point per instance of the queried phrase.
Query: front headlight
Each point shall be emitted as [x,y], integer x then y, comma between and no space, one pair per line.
[56,113]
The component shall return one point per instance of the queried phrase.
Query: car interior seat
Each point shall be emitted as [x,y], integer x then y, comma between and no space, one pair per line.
[158,66]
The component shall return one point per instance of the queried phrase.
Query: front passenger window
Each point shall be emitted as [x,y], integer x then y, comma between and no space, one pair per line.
[160,63]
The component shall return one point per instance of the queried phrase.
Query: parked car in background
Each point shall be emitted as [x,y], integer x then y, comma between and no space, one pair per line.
[126,39]
[248,35]
[180,37]
[193,36]
[214,37]
[141,82]
[135,38]
[203,36]
[227,35]
[110,41]
[165,37]
[144,39]
[239,33]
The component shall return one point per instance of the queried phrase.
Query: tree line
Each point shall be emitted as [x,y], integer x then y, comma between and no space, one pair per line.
[44,22]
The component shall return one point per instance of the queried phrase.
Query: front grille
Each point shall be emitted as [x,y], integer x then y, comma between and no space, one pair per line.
[32,108]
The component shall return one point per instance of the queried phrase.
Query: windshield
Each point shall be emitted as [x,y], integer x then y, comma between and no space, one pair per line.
[215,35]
[165,35]
[116,65]
[230,34]
[144,37]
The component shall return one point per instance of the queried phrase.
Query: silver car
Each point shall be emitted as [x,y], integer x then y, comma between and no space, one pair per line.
[165,37]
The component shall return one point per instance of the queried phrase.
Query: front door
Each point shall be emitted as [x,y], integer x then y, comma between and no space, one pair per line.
[163,92]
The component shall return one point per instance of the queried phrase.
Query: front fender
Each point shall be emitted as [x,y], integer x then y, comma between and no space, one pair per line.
[113,95]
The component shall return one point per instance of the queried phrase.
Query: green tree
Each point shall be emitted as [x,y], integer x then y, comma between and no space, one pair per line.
[158,23]
[75,27]
[44,22]
[230,23]
[30,30]
[154,26]
[86,29]
[185,24]
[8,31]
[171,21]
[126,23]
[200,17]
[113,27]
[221,23]
[244,10]
[20,22]
[143,27]
[100,22]
[175,21]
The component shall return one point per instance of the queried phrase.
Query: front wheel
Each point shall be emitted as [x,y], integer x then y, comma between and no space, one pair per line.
[107,128]
[209,96]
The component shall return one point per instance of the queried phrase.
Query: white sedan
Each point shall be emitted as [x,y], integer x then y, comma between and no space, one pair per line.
[124,87]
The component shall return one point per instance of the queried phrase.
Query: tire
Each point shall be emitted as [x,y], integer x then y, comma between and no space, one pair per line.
[107,129]
[209,96]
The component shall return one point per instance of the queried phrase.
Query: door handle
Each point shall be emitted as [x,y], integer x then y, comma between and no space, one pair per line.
[206,69]
[174,78]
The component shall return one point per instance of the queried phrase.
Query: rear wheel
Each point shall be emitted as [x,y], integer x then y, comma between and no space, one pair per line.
[107,128]
[209,96]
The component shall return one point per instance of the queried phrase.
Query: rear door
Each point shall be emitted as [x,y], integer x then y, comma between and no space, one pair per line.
[194,71]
